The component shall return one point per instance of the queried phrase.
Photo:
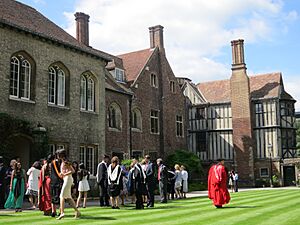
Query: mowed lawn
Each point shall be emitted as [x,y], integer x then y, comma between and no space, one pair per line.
[278,206]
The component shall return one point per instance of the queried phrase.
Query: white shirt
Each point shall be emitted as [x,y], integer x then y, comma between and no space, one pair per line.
[184,175]
[33,179]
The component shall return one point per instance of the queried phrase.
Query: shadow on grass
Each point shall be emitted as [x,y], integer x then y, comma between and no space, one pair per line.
[97,218]
[6,215]
[239,207]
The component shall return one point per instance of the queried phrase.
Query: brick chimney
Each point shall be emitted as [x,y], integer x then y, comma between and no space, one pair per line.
[157,37]
[82,27]
[241,114]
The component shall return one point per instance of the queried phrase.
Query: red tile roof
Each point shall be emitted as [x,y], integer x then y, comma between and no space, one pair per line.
[26,18]
[261,86]
[134,62]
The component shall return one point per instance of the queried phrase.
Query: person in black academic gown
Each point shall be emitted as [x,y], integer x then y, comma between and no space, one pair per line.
[150,180]
[102,181]
[55,183]
[139,184]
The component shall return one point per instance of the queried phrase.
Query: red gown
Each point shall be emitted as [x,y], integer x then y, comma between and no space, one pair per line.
[44,191]
[217,185]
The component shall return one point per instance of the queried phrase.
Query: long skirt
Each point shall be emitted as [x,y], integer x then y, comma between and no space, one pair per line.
[66,188]
[45,195]
[15,202]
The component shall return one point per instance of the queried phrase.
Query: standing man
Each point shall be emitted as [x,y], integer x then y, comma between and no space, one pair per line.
[217,184]
[150,181]
[138,180]
[102,181]
[162,176]
[2,183]
[235,182]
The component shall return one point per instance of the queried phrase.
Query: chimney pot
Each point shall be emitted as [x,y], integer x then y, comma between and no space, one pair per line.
[238,59]
[82,27]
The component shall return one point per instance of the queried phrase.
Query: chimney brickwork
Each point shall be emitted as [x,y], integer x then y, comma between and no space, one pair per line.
[241,114]
[82,27]
[156,37]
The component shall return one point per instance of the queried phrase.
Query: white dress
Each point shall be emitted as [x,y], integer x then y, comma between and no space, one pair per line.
[66,188]
[185,176]
[84,184]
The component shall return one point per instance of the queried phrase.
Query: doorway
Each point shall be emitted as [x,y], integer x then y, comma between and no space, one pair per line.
[289,175]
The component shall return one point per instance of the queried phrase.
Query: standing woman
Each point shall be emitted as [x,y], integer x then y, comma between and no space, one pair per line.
[44,187]
[83,186]
[185,177]
[114,182]
[66,172]
[33,183]
[178,181]
[17,188]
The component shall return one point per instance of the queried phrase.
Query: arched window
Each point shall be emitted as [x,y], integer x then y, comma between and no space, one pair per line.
[20,77]
[87,93]
[114,116]
[56,86]
[136,119]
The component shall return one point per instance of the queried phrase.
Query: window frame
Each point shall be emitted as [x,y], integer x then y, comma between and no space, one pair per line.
[85,93]
[172,86]
[153,80]
[119,73]
[155,119]
[179,126]
[88,156]
[266,175]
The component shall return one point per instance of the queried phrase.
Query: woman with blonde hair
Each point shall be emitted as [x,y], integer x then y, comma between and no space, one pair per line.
[66,172]
[178,181]
[114,182]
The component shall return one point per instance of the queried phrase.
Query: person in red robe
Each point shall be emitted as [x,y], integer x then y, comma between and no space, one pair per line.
[44,188]
[217,184]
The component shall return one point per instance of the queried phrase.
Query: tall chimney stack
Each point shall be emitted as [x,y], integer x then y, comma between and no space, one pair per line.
[82,27]
[241,114]
[156,37]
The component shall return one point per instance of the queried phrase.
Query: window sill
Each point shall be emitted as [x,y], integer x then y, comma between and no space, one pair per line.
[58,106]
[114,129]
[88,112]
[154,133]
[179,136]
[136,130]
[21,100]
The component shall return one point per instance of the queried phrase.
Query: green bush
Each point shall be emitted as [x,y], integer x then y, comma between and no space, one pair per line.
[188,159]
[197,186]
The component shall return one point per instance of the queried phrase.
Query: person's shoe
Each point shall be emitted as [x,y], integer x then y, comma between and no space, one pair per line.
[218,206]
[113,207]
[163,201]
[77,215]
[53,214]
[61,216]
[117,207]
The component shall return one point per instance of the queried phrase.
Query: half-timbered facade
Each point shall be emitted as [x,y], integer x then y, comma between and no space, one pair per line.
[271,132]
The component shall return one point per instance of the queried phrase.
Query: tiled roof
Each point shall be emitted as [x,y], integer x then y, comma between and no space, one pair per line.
[134,62]
[261,86]
[26,18]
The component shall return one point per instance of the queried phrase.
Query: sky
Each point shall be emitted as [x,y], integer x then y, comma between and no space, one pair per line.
[197,33]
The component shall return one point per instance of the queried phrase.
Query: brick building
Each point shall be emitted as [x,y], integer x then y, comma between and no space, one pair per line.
[248,121]
[70,97]
[157,106]
[49,77]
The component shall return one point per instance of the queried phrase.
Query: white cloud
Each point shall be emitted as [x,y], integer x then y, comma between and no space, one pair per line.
[196,31]
[291,85]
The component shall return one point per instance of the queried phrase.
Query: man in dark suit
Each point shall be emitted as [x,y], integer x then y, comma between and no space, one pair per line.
[2,183]
[150,180]
[102,181]
[162,176]
[138,181]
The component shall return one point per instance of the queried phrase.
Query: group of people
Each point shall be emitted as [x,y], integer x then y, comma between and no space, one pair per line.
[139,181]
[49,184]
[54,180]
